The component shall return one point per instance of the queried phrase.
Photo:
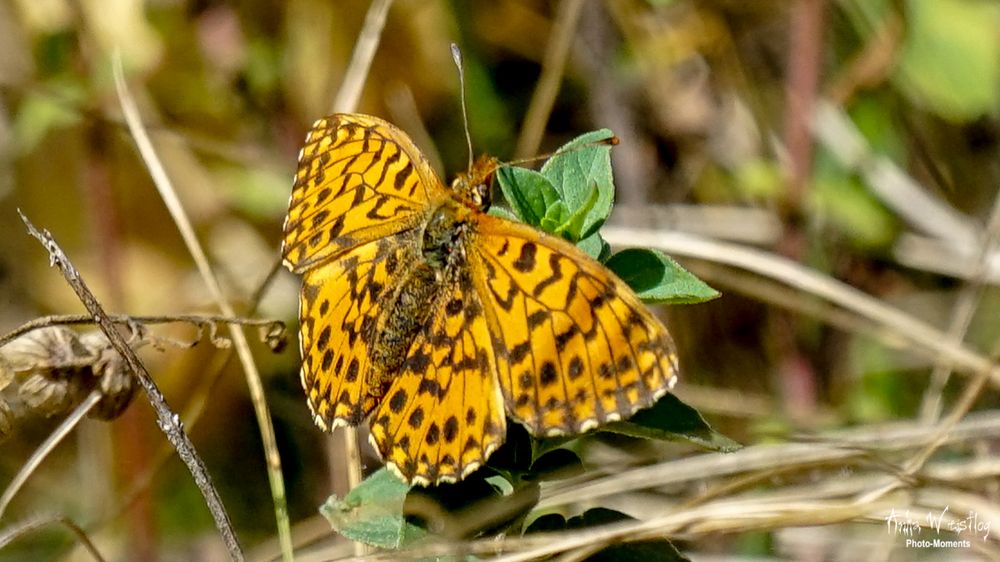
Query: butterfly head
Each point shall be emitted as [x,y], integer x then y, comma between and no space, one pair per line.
[474,188]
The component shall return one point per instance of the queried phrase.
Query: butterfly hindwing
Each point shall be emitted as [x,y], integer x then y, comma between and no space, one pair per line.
[359,178]
[340,305]
[574,345]
[443,416]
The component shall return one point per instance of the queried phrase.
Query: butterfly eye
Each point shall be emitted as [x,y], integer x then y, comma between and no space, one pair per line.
[474,191]
[482,195]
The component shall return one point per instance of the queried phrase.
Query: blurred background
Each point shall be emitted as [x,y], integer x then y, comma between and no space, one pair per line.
[856,138]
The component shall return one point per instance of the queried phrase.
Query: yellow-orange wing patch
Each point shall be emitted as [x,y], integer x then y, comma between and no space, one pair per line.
[359,178]
[339,307]
[443,416]
[574,346]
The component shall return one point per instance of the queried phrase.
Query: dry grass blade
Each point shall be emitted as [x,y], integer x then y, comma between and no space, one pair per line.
[903,194]
[12,533]
[347,101]
[836,448]
[252,376]
[965,307]
[361,58]
[168,421]
[927,340]
[553,66]
[274,328]
[925,253]
[47,447]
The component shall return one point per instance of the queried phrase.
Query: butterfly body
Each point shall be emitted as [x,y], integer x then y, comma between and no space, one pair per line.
[434,320]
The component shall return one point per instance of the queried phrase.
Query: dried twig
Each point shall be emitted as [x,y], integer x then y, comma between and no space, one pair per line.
[273,331]
[804,65]
[168,421]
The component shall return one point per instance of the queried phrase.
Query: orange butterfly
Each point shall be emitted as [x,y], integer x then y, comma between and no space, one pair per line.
[432,318]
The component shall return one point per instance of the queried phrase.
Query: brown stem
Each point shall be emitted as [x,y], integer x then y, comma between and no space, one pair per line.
[805,51]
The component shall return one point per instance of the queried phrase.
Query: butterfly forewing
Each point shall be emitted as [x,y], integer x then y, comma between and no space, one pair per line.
[359,179]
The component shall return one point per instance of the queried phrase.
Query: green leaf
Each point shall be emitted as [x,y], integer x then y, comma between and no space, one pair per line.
[500,484]
[595,246]
[653,550]
[951,57]
[841,200]
[548,523]
[572,227]
[372,513]
[556,464]
[576,167]
[41,113]
[555,215]
[529,193]
[672,420]
[657,278]
[503,213]
[541,446]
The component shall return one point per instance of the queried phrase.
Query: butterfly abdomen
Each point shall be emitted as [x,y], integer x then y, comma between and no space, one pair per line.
[404,314]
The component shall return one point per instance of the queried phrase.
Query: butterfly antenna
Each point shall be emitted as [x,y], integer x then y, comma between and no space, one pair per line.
[456,55]
[610,141]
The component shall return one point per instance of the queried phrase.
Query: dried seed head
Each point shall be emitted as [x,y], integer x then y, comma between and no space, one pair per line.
[116,383]
[6,420]
[47,365]
[48,396]
[275,337]
[55,349]
[49,371]
[6,373]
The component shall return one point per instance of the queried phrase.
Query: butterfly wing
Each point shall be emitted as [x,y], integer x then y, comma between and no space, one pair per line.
[574,345]
[359,178]
[443,416]
[339,307]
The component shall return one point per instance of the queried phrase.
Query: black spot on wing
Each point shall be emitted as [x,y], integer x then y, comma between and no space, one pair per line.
[519,352]
[537,318]
[525,262]
[416,418]
[433,434]
[450,429]
[398,401]
[548,375]
[564,338]
[555,264]
[352,370]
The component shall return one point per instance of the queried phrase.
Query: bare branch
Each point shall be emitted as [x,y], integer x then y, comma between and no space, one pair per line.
[168,421]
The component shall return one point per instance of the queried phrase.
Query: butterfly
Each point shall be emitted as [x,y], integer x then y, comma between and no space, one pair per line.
[435,321]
